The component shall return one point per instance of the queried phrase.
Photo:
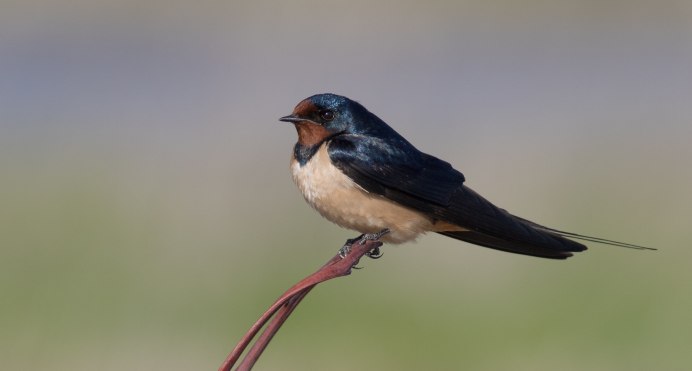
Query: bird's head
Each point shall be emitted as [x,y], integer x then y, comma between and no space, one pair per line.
[322,116]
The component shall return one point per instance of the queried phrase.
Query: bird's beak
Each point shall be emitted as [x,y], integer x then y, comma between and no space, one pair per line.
[290,118]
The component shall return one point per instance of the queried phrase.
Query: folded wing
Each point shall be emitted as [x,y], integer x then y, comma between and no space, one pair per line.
[427,184]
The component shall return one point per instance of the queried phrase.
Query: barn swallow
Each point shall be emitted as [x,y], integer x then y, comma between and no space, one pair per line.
[359,173]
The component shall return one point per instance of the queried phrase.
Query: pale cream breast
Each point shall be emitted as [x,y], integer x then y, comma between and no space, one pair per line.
[336,197]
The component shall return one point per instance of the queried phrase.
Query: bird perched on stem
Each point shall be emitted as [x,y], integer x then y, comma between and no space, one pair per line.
[359,173]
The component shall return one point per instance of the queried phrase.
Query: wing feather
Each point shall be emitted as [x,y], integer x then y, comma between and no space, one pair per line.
[427,184]
[378,167]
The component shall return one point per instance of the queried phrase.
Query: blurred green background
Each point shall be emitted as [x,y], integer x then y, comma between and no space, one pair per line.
[147,216]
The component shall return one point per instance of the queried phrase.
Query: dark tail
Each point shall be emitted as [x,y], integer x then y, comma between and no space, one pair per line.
[582,237]
[561,248]
[493,227]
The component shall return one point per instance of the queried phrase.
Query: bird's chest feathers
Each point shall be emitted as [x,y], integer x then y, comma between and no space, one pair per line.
[323,185]
[339,199]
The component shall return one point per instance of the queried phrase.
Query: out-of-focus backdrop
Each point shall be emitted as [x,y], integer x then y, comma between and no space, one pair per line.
[147,215]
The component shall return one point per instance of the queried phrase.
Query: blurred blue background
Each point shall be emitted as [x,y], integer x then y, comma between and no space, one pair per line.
[147,216]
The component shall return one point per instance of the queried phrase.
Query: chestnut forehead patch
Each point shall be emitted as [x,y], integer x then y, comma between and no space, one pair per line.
[304,108]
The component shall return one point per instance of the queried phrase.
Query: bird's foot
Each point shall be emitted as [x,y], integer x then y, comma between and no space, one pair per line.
[346,248]
[362,239]
[374,253]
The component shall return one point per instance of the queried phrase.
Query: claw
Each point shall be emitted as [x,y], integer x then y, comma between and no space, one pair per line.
[374,253]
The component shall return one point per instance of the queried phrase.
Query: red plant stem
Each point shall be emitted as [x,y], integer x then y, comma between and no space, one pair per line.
[286,303]
[277,321]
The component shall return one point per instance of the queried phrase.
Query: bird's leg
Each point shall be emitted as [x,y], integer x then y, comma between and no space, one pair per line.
[372,236]
[374,253]
[362,239]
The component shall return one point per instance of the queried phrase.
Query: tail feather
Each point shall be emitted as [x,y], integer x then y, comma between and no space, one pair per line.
[518,247]
[488,225]
[582,237]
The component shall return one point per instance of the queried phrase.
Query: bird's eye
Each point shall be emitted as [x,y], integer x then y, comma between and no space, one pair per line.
[327,115]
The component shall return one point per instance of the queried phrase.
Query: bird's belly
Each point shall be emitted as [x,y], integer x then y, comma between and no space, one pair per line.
[336,197]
